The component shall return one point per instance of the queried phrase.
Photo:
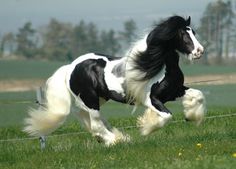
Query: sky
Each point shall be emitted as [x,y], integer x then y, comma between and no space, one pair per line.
[106,14]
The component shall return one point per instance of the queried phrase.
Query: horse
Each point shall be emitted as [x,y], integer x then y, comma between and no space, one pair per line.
[148,74]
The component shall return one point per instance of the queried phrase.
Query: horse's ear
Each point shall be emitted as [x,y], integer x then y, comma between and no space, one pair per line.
[188,21]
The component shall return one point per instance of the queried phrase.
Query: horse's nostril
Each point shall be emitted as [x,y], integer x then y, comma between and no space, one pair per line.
[200,51]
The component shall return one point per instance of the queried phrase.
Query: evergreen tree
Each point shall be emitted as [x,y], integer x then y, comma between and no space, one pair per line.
[26,41]
[109,42]
[215,27]
[128,35]
[57,40]
[79,39]
[8,44]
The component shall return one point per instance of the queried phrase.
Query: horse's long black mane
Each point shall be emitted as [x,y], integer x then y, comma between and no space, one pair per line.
[161,43]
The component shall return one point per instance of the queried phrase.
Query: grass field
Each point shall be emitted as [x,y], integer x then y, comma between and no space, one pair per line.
[183,146]
[179,145]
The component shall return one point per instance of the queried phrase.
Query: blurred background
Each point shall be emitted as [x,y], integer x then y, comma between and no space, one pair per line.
[59,30]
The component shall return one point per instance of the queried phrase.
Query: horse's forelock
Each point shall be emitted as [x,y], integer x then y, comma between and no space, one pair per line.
[167,29]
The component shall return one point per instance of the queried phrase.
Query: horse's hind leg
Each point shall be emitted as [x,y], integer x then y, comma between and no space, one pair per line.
[84,116]
[96,125]
[99,129]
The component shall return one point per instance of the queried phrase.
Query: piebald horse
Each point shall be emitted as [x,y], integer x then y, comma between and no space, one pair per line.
[149,75]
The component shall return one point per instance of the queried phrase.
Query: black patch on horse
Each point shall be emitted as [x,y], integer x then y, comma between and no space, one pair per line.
[87,81]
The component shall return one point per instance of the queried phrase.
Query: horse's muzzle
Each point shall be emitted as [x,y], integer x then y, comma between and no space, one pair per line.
[196,54]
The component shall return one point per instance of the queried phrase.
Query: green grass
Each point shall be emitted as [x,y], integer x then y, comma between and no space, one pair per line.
[14,107]
[172,147]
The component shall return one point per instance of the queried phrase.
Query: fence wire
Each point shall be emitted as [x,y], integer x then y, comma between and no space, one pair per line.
[122,127]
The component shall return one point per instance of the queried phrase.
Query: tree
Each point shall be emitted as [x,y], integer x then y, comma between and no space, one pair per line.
[128,35]
[57,40]
[64,41]
[109,42]
[79,39]
[8,44]
[26,41]
[215,26]
[93,38]
[87,38]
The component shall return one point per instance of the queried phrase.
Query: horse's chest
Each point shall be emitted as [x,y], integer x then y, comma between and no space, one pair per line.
[169,88]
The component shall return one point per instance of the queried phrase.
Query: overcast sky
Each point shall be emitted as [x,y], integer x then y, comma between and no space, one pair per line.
[104,13]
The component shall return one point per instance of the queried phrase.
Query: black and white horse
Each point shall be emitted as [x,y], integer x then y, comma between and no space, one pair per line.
[149,75]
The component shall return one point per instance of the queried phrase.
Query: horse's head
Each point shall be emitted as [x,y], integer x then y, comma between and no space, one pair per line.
[187,43]
[176,33]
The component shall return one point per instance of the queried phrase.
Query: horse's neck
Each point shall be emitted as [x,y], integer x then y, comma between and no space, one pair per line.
[172,64]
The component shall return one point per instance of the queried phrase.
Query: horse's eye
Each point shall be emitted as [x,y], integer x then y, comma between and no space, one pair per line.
[187,29]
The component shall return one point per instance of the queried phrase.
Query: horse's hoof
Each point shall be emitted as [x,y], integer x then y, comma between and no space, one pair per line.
[99,139]
[120,137]
[150,122]
[187,120]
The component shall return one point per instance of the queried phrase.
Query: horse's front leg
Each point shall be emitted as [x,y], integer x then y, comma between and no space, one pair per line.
[154,117]
[194,104]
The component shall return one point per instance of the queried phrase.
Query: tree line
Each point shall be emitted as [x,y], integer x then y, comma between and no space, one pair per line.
[64,41]
[217,31]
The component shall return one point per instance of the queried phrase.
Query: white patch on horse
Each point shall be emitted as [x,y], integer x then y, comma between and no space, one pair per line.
[150,121]
[140,90]
[135,89]
[86,57]
[198,48]
[113,82]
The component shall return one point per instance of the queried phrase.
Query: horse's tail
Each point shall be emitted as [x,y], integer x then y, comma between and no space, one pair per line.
[46,119]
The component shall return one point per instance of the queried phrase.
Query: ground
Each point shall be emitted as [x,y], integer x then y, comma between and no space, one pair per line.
[20,85]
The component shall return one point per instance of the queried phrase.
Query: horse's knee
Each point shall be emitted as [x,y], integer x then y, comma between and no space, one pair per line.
[194,105]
